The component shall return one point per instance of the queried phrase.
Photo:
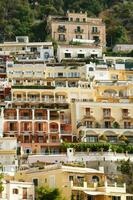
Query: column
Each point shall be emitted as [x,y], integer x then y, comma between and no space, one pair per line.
[17,114]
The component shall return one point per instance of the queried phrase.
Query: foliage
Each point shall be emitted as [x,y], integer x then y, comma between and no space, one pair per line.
[96,147]
[43,193]
[125,167]
[1,186]
[29,17]
[116,125]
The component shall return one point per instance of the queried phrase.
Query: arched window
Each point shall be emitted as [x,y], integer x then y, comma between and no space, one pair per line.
[95,179]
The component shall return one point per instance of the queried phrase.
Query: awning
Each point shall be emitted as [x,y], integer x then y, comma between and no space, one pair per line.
[94,193]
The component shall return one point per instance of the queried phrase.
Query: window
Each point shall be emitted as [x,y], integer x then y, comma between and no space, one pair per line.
[112,138]
[95,179]
[87,111]
[107,124]
[60,74]
[90,197]
[127,124]
[79,36]
[125,112]
[33,49]
[71,19]
[24,193]
[35,181]
[129,198]
[114,77]
[96,38]
[61,37]
[11,126]
[94,29]
[77,19]
[91,138]
[116,198]
[40,127]
[61,28]
[84,20]
[81,55]
[89,124]
[106,112]
[53,138]
[67,55]
[70,178]
[15,191]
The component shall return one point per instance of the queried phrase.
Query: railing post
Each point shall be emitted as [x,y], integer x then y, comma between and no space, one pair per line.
[106,184]
[71,183]
[85,184]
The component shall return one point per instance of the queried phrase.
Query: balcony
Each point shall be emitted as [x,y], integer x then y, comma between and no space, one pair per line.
[54,115]
[33,99]
[101,187]
[63,132]
[62,30]
[95,32]
[79,30]
[53,130]
[10,117]
[102,126]
[48,100]
[41,117]
[32,87]
[25,117]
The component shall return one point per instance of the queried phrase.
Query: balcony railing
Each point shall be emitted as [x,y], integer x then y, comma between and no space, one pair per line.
[95,32]
[61,30]
[32,87]
[105,187]
[66,132]
[41,117]
[79,30]
[104,127]
[10,117]
[25,117]
[54,130]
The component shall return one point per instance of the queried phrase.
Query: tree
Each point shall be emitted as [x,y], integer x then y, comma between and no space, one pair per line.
[1,185]
[44,193]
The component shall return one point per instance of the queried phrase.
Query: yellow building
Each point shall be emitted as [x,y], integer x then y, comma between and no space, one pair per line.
[76,182]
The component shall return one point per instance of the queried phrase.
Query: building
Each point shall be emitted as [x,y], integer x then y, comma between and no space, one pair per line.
[54,103]
[78,52]
[76,182]
[38,112]
[77,25]
[123,47]
[8,150]
[8,155]
[97,120]
[14,190]
[23,50]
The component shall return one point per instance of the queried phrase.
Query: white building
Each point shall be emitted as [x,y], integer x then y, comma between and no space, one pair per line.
[8,155]
[26,51]
[14,190]
[82,51]
[123,47]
